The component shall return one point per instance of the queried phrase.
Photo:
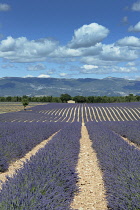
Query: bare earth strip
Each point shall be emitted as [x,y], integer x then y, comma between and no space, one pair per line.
[92,192]
[130,142]
[19,163]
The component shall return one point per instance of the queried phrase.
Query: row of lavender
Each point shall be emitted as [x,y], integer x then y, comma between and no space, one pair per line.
[48,180]
[120,164]
[111,112]
[76,112]
[127,129]
[62,105]
[44,113]
[90,112]
[16,139]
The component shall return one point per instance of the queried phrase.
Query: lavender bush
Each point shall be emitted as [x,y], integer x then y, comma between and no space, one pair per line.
[130,129]
[48,180]
[120,164]
[16,139]
[40,113]
[63,112]
[115,111]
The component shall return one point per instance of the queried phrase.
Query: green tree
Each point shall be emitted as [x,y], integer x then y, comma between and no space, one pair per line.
[8,98]
[79,99]
[130,98]
[137,98]
[90,99]
[2,99]
[65,97]
[56,100]
[25,103]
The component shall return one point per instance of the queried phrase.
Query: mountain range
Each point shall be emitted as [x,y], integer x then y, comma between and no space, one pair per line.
[33,86]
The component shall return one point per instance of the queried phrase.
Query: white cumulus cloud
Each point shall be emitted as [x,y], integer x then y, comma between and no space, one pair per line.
[118,53]
[23,50]
[85,47]
[63,51]
[129,41]
[88,35]
[136,6]
[135,28]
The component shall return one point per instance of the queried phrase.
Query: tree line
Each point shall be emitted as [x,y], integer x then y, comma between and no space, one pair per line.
[78,99]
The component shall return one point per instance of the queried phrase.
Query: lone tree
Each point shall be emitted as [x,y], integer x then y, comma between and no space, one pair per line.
[25,103]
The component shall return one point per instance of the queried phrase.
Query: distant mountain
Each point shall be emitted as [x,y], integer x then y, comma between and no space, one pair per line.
[33,86]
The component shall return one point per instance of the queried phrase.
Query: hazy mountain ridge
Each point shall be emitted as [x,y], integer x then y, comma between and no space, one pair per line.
[33,86]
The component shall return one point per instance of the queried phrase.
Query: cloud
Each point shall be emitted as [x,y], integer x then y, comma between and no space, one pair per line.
[6,66]
[85,47]
[23,50]
[89,67]
[124,69]
[88,35]
[4,7]
[135,28]
[50,71]
[97,61]
[125,20]
[131,64]
[108,69]
[44,76]
[129,41]
[28,76]
[63,75]
[37,67]
[91,51]
[63,52]
[118,53]
[136,6]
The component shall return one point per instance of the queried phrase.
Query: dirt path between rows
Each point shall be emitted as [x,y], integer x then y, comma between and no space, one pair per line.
[130,142]
[92,192]
[19,163]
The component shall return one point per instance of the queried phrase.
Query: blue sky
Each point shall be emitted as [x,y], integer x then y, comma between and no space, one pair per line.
[70,38]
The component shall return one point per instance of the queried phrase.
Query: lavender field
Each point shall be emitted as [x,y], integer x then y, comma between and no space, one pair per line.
[63,112]
[50,176]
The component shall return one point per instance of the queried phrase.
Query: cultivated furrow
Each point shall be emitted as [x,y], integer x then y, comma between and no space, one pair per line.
[15,166]
[92,192]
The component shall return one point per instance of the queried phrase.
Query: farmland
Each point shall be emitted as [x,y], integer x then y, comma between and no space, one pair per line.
[63,112]
[48,180]
[13,106]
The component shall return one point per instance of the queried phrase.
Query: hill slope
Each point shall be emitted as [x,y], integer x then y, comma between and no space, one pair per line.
[111,86]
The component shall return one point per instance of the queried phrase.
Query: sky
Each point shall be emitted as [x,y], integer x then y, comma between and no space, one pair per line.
[70,38]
